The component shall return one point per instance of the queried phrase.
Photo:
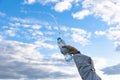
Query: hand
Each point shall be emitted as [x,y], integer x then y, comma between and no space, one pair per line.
[71,50]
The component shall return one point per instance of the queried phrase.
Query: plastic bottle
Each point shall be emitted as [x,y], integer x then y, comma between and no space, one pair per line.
[64,51]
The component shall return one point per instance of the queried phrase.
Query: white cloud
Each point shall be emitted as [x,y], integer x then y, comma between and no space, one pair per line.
[81,36]
[14,24]
[10,33]
[48,1]
[32,29]
[58,5]
[25,25]
[2,14]
[81,14]
[45,45]
[117,45]
[113,33]
[21,60]
[107,10]
[18,24]
[48,27]
[29,1]
[36,26]
[64,28]
[100,33]
[63,5]
[97,62]
[39,1]
[30,48]
[21,20]
[20,51]
[61,28]
[57,55]
[30,70]
[1,38]
[37,33]
[49,33]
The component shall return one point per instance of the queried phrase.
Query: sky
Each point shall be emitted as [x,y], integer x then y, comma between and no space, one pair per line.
[29,30]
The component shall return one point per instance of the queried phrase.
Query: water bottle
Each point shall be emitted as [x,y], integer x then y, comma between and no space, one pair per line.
[64,51]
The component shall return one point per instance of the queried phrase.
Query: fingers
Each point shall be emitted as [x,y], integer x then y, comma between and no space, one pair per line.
[71,49]
[64,46]
[67,46]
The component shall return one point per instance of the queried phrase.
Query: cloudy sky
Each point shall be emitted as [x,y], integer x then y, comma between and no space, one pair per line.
[29,29]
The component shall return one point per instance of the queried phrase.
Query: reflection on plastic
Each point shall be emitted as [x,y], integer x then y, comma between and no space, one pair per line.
[64,51]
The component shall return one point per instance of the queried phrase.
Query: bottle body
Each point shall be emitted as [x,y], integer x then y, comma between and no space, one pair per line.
[64,51]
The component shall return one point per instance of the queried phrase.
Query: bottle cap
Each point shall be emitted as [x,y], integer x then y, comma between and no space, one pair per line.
[58,38]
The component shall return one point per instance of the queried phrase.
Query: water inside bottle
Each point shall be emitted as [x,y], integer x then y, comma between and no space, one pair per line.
[68,57]
[64,51]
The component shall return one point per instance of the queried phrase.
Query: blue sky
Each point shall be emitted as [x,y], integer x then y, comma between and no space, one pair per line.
[29,29]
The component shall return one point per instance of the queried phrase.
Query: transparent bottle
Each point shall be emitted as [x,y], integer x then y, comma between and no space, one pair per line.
[64,51]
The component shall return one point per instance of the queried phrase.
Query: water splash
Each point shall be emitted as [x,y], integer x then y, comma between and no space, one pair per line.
[49,14]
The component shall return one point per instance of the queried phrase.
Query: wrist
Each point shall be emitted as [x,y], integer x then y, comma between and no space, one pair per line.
[78,52]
